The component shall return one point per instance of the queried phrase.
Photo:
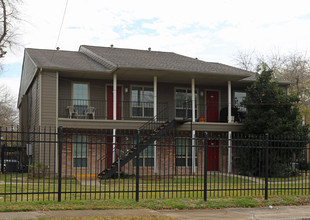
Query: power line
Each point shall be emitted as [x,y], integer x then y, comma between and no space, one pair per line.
[59,32]
[62,22]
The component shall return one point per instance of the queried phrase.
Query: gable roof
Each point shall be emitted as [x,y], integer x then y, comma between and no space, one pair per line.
[63,60]
[157,60]
[105,60]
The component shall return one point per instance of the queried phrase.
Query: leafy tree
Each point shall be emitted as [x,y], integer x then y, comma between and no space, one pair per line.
[293,67]
[270,110]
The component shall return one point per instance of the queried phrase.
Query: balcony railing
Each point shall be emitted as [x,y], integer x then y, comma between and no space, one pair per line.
[103,109]
[130,110]
[210,113]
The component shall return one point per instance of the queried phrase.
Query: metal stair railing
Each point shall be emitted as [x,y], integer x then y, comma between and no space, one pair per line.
[151,131]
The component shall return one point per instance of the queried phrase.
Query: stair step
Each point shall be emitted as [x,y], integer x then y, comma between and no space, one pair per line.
[135,150]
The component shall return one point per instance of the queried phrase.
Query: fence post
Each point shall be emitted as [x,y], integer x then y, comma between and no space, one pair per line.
[59,161]
[2,152]
[266,165]
[137,168]
[205,167]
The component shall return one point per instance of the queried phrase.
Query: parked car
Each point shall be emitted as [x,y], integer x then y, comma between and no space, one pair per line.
[10,165]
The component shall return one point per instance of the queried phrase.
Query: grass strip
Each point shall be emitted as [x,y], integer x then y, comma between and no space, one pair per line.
[155,204]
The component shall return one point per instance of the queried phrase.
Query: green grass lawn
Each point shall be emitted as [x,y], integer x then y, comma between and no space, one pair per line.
[155,204]
[19,187]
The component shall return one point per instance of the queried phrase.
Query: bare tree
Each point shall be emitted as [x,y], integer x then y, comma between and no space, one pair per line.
[8,17]
[297,71]
[8,111]
[246,60]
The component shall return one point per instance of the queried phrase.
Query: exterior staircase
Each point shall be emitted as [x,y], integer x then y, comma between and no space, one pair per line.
[154,135]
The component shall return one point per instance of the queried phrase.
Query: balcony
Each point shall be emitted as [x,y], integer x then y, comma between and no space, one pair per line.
[103,110]
[210,113]
[143,111]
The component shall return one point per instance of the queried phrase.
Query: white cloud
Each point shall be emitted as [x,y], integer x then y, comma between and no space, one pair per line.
[199,28]
[12,85]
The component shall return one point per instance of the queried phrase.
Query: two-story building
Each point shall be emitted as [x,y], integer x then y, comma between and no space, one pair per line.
[120,90]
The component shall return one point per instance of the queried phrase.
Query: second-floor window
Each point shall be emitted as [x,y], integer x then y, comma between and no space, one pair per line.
[142,101]
[183,101]
[239,97]
[80,97]
[240,108]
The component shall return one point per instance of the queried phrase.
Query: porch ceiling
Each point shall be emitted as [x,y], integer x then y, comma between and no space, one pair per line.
[164,76]
[176,76]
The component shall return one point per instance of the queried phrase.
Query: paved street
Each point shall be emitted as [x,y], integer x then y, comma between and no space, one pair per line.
[284,212]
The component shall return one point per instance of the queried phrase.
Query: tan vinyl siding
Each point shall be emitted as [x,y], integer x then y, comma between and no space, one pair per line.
[28,72]
[23,113]
[64,88]
[48,106]
[33,118]
[165,94]
[34,104]
[97,89]
[48,118]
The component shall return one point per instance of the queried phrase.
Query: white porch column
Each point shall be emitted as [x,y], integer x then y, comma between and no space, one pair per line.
[114,113]
[155,114]
[229,118]
[229,151]
[193,131]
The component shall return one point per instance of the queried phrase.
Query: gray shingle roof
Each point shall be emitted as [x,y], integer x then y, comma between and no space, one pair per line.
[107,58]
[144,59]
[69,60]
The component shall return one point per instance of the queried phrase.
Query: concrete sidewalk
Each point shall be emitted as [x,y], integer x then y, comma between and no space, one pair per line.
[283,212]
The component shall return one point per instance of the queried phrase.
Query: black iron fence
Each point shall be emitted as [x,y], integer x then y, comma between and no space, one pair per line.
[63,164]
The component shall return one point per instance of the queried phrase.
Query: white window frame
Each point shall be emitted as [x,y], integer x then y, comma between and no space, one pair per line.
[86,101]
[83,142]
[188,152]
[143,157]
[190,106]
[143,107]
[243,109]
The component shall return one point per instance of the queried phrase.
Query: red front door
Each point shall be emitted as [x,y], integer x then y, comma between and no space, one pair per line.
[213,156]
[212,100]
[110,103]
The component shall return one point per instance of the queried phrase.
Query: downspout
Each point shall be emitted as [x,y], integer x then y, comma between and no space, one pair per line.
[229,132]
[155,117]
[229,101]
[114,113]
[193,131]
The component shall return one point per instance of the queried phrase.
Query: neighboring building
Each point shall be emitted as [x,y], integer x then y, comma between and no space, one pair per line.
[75,90]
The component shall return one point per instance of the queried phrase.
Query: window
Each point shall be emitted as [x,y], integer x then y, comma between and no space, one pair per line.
[239,97]
[183,99]
[142,101]
[80,97]
[240,109]
[146,157]
[184,152]
[80,151]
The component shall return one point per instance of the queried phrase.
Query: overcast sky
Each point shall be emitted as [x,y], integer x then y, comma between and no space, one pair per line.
[209,30]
